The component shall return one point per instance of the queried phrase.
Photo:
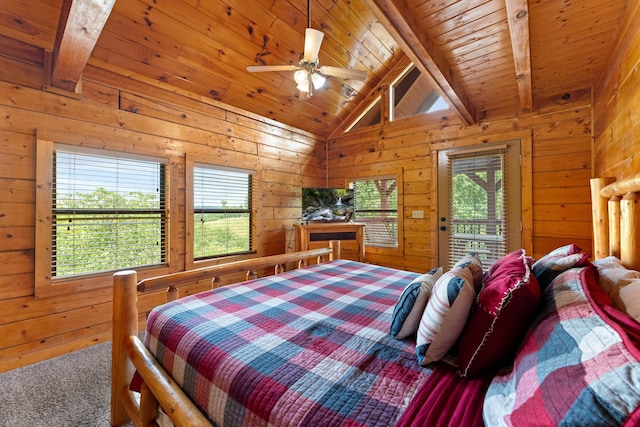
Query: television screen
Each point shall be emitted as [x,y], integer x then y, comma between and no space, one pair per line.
[327,204]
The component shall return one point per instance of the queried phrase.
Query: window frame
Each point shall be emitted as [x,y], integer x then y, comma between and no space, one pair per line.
[190,260]
[45,283]
[396,174]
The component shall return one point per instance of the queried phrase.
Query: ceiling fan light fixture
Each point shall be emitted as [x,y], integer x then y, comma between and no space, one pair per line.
[317,80]
[312,42]
[303,88]
[300,76]
[308,75]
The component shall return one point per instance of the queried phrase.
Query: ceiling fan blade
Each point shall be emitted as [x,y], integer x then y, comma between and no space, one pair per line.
[261,68]
[312,42]
[345,73]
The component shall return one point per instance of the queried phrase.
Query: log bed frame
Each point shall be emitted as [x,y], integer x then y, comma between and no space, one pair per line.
[129,353]
[616,228]
[616,219]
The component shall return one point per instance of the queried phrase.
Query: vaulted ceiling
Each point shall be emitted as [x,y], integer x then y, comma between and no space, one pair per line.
[489,58]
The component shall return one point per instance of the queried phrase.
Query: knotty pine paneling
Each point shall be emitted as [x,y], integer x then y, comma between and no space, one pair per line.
[121,112]
[117,114]
[36,351]
[617,103]
[560,189]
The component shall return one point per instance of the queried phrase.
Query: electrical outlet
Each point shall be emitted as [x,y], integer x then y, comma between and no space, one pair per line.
[417,214]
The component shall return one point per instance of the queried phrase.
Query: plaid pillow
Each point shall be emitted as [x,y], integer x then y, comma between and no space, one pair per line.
[557,261]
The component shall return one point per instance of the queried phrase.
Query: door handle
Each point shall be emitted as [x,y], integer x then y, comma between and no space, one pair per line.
[443,227]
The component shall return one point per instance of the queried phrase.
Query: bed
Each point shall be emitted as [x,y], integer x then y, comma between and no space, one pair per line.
[552,341]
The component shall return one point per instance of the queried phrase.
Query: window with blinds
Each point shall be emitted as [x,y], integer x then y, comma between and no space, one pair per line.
[376,205]
[477,205]
[222,211]
[108,212]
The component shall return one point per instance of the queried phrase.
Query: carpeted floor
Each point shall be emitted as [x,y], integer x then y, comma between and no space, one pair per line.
[70,390]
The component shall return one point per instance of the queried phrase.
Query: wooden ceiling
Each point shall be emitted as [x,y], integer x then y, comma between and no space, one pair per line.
[489,58]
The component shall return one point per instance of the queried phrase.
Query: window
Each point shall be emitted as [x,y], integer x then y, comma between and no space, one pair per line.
[413,95]
[479,202]
[376,205]
[371,116]
[108,212]
[222,211]
[406,94]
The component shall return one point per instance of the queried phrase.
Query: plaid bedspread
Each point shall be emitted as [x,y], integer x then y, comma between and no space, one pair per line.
[578,367]
[306,347]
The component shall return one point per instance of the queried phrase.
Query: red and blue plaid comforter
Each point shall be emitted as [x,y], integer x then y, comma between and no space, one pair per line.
[579,366]
[306,347]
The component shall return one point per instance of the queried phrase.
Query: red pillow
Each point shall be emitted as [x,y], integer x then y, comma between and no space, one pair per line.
[505,307]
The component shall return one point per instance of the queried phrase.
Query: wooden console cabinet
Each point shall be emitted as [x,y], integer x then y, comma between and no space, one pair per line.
[318,235]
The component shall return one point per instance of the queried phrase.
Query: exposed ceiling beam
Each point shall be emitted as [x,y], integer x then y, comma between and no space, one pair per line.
[400,22]
[79,26]
[518,18]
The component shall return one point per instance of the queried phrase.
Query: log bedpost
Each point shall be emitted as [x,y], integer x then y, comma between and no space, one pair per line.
[172,293]
[600,218]
[624,223]
[335,245]
[148,406]
[614,226]
[216,282]
[629,231]
[125,323]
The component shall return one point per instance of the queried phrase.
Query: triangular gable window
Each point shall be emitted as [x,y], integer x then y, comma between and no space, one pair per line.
[371,116]
[413,95]
[410,94]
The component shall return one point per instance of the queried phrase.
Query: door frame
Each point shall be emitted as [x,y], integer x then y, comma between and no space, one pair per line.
[526,189]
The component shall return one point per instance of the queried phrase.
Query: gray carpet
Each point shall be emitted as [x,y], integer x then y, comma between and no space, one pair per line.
[70,390]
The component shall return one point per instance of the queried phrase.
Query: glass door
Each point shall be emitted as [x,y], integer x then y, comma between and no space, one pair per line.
[479,208]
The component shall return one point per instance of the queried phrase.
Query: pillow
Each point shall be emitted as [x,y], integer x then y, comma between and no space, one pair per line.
[621,284]
[445,315]
[558,260]
[505,307]
[410,306]
[574,367]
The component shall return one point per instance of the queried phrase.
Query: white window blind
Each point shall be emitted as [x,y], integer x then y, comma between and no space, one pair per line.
[376,205]
[477,208]
[108,213]
[222,211]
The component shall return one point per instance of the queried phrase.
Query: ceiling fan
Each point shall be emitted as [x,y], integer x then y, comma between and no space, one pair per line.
[308,74]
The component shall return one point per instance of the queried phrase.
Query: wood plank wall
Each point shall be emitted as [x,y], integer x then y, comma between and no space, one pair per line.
[561,168]
[34,329]
[115,111]
[617,104]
